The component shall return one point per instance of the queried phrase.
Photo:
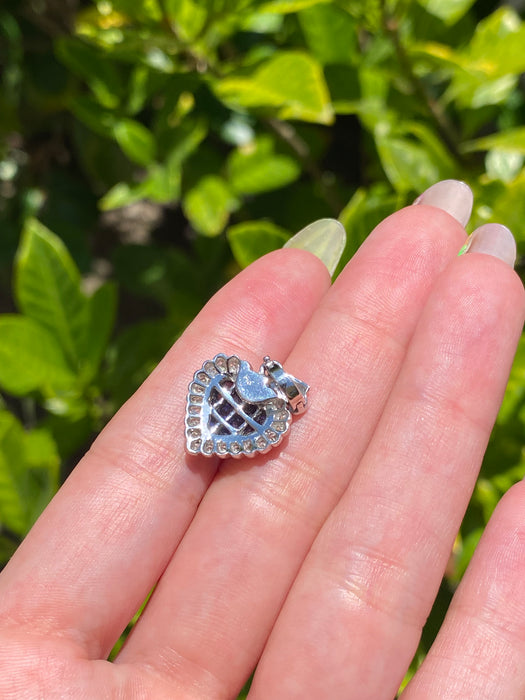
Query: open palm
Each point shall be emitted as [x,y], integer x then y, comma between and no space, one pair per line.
[318,562]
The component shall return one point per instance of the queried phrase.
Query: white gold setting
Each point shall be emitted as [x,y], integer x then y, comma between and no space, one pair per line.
[233,411]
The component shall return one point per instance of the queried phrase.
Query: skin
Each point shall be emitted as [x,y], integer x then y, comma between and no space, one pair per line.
[318,562]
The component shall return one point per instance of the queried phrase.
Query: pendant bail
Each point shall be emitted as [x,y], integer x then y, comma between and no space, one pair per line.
[287,387]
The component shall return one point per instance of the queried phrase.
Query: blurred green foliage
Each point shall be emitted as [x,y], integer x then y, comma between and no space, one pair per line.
[150,147]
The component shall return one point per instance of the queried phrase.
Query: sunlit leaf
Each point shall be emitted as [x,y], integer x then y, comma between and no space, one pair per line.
[330,32]
[287,6]
[450,11]
[48,288]
[511,140]
[256,168]
[253,239]
[291,81]
[28,473]
[208,205]
[189,17]
[31,358]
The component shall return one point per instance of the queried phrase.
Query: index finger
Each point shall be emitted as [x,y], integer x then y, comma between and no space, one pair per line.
[120,515]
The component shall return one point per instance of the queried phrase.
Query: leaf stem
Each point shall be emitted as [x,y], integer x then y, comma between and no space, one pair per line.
[286,132]
[442,123]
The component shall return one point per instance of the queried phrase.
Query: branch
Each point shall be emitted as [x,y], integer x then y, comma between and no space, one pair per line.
[289,135]
[442,123]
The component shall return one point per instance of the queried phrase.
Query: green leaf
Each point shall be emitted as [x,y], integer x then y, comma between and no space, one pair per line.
[330,33]
[8,547]
[47,287]
[450,11]
[292,82]
[288,6]
[189,17]
[31,358]
[253,239]
[496,48]
[94,116]
[208,205]
[96,69]
[503,165]
[254,168]
[486,71]
[28,473]
[13,513]
[408,164]
[141,10]
[510,140]
[136,141]
[102,306]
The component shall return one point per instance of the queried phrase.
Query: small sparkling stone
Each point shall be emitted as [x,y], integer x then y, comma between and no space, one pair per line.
[194,432]
[279,426]
[194,409]
[203,377]
[195,445]
[271,435]
[197,388]
[221,447]
[233,365]
[193,421]
[235,448]
[281,415]
[260,442]
[210,369]
[247,446]
[207,448]
[196,399]
[220,363]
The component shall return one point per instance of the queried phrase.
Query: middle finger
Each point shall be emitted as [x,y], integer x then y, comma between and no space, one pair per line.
[258,519]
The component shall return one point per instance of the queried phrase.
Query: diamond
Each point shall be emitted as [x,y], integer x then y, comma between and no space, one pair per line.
[234,364]
[203,377]
[260,442]
[195,445]
[279,426]
[235,448]
[210,369]
[220,363]
[221,447]
[271,435]
[197,388]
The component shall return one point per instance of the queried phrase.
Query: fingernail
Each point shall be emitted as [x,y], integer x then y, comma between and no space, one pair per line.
[325,238]
[453,196]
[492,239]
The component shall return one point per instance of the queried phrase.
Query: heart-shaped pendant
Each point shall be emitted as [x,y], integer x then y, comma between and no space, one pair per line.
[233,411]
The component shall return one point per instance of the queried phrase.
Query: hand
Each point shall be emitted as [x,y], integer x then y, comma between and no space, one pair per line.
[320,560]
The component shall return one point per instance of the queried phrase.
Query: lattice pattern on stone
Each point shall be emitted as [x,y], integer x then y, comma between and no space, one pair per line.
[220,421]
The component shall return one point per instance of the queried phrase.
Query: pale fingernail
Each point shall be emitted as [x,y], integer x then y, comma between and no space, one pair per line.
[325,238]
[492,239]
[453,196]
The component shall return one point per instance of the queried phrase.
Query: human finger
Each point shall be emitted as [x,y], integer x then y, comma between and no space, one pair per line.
[104,541]
[354,616]
[237,561]
[479,651]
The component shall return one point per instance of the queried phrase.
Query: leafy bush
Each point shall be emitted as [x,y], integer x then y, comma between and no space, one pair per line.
[150,147]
